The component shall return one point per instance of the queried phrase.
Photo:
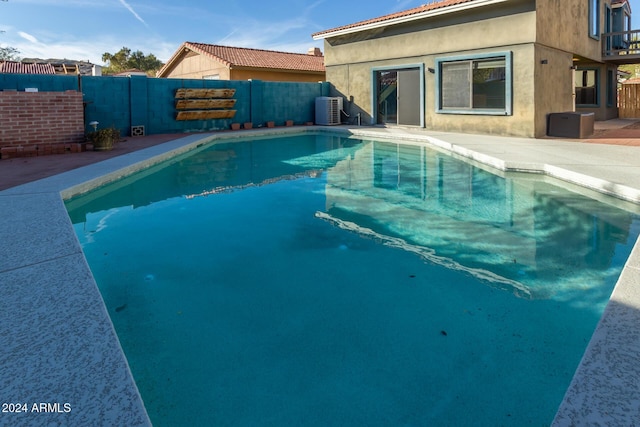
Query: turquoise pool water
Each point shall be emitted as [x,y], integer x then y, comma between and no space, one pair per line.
[318,280]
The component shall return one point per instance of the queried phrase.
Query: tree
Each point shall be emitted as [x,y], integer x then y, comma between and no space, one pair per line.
[632,69]
[9,54]
[124,60]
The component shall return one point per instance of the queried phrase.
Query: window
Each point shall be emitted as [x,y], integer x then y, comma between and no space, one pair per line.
[211,77]
[594,19]
[612,88]
[586,87]
[475,85]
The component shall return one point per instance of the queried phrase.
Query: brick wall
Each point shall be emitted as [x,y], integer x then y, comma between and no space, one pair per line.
[40,123]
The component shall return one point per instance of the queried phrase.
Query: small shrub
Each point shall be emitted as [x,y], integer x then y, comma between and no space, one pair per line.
[104,139]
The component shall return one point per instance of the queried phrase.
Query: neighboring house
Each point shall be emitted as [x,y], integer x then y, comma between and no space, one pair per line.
[51,66]
[14,67]
[484,66]
[208,61]
[129,73]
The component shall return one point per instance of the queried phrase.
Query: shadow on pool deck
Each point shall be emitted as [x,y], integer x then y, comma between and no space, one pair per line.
[19,171]
[22,170]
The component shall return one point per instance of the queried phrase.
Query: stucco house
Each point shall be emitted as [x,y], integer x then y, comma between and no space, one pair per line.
[484,66]
[209,61]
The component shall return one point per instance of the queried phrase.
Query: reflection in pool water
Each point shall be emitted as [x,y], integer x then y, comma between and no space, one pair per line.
[318,280]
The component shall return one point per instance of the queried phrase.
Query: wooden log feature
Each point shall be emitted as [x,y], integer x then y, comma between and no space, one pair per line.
[204,93]
[204,104]
[205,114]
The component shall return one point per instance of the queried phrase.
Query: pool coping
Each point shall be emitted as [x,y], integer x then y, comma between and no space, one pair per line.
[59,346]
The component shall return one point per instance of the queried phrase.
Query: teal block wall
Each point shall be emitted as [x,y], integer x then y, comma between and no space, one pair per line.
[139,105]
[283,101]
[107,101]
[162,112]
[124,102]
[44,83]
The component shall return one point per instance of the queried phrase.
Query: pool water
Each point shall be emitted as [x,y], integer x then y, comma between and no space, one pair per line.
[321,280]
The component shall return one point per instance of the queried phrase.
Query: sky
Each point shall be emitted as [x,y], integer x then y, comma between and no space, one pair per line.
[86,29]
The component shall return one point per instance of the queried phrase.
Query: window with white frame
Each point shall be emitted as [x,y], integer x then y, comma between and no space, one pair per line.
[474,85]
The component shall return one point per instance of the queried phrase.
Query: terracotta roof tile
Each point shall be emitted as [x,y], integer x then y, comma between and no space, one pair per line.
[416,10]
[12,67]
[258,58]
[622,2]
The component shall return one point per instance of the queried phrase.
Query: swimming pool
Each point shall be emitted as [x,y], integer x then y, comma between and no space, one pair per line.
[323,280]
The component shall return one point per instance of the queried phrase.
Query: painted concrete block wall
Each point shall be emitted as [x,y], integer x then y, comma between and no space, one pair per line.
[152,103]
[161,114]
[20,82]
[107,102]
[297,105]
[124,102]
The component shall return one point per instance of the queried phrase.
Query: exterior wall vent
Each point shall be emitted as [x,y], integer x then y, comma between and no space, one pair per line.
[328,110]
[137,130]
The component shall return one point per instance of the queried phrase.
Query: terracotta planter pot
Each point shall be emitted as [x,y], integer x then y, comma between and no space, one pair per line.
[103,146]
[248,125]
[235,126]
[288,123]
[271,124]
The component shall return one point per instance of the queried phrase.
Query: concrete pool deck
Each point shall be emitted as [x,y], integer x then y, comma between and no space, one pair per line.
[58,346]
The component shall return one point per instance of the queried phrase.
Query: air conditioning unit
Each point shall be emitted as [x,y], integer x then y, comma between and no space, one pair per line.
[328,110]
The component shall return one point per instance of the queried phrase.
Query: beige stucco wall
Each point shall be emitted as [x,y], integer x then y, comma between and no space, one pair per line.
[544,37]
[448,40]
[195,66]
[564,24]
[349,69]
[553,84]
[522,120]
[275,76]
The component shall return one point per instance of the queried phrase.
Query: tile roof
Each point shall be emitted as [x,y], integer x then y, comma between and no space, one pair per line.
[434,5]
[12,67]
[622,2]
[258,58]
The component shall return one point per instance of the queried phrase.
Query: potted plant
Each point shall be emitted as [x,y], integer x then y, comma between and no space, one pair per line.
[103,139]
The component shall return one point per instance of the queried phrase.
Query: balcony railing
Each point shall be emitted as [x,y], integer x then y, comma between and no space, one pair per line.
[622,47]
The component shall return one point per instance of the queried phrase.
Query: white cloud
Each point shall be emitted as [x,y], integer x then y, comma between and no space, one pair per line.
[28,37]
[133,12]
[291,35]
